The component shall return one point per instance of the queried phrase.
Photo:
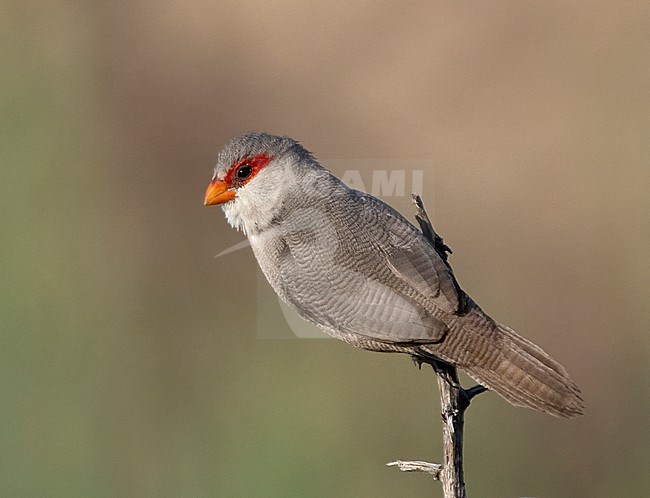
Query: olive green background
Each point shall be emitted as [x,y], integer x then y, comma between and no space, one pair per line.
[131,360]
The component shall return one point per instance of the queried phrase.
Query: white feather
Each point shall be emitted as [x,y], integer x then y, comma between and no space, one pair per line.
[268,189]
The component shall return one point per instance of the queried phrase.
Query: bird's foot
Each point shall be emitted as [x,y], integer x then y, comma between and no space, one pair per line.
[418,361]
[447,372]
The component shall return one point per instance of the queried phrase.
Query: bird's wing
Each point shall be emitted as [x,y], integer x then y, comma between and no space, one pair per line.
[382,280]
[416,274]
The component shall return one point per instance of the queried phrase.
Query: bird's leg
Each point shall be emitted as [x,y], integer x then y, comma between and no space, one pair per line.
[447,372]
[418,361]
[450,375]
[439,367]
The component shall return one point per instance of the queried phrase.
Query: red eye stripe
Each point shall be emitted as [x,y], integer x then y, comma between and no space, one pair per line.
[256,162]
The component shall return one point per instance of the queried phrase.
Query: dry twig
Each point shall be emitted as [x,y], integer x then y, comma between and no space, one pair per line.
[454,400]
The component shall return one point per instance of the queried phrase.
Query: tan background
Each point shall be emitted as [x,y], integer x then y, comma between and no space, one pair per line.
[130,362]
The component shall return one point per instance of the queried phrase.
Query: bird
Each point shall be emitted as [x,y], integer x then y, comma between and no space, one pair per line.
[354,266]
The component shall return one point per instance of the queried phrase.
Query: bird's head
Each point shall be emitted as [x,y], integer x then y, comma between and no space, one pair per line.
[254,173]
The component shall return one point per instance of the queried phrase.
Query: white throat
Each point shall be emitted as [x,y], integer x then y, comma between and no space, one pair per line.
[258,203]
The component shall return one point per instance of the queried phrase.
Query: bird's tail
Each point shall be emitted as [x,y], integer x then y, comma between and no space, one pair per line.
[521,372]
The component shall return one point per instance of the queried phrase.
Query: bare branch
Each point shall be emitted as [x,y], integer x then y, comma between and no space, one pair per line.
[417,466]
[454,400]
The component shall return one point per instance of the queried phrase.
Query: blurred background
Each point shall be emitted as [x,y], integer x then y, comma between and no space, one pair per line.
[131,362]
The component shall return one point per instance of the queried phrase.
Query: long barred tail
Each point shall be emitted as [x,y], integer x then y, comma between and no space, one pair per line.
[518,370]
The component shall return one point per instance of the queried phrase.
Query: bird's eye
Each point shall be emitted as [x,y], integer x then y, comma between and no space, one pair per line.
[244,171]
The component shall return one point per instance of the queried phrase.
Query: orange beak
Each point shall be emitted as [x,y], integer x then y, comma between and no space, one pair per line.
[218,193]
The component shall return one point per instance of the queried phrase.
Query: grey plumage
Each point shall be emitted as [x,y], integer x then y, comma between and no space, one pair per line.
[355,267]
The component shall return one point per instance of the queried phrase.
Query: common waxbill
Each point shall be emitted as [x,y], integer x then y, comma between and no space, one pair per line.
[351,264]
